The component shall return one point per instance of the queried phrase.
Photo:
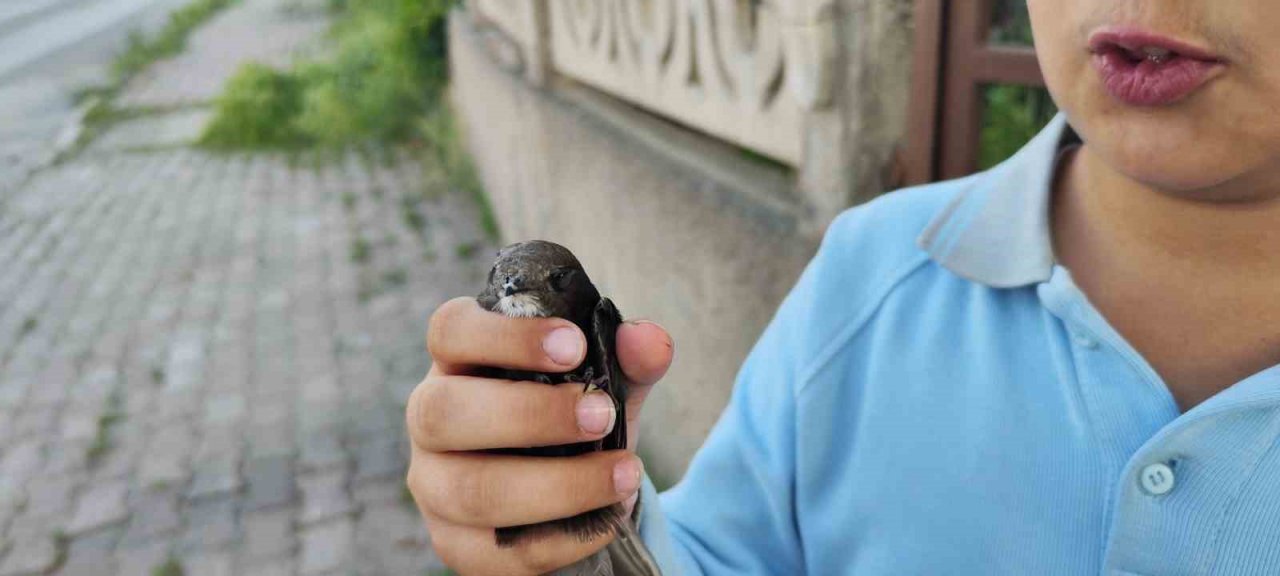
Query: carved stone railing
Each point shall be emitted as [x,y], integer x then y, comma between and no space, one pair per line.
[760,74]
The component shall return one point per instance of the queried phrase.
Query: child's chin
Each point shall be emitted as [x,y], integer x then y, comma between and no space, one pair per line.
[1189,179]
[1169,167]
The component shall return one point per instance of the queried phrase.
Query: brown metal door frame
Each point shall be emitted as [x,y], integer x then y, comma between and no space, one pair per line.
[952,61]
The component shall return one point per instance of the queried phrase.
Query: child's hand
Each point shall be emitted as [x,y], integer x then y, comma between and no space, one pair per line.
[463,493]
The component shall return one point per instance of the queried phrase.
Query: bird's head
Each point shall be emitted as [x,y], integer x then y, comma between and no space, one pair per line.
[538,279]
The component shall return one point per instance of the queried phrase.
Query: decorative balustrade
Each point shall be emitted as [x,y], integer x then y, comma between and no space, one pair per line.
[745,71]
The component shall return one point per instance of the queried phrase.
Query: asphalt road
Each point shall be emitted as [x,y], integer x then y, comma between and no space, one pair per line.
[49,49]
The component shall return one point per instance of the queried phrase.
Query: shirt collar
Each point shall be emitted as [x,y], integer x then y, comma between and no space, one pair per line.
[996,230]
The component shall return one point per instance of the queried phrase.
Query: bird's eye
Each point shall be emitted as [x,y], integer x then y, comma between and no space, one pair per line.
[560,279]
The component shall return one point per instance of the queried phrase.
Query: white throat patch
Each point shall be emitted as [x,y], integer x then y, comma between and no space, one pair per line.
[521,305]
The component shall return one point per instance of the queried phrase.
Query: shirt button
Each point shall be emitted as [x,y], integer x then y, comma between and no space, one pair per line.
[1157,479]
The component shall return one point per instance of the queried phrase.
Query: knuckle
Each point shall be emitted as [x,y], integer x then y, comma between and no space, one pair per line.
[413,415]
[417,485]
[470,494]
[430,411]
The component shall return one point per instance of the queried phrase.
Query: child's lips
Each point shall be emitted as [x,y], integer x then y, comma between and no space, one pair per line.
[1141,68]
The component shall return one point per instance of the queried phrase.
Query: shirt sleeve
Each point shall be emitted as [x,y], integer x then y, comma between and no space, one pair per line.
[734,511]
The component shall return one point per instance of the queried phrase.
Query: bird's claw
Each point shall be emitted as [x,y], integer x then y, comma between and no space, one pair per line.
[589,381]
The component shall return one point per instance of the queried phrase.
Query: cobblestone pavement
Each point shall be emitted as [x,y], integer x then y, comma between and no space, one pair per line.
[204,359]
[207,357]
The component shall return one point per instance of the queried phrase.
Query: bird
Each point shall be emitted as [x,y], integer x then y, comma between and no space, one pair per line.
[542,279]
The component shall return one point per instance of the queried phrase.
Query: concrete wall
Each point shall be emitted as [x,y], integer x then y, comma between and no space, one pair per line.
[675,226]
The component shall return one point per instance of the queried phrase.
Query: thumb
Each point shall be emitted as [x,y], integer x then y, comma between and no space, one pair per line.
[645,350]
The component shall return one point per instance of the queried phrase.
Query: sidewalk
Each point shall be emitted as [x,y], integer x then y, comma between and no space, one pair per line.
[204,358]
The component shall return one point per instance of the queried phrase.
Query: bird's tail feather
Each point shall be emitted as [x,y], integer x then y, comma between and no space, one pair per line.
[586,526]
[625,556]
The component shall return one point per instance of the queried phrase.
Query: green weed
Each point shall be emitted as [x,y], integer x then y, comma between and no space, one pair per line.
[142,51]
[248,113]
[361,251]
[395,277]
[171,567]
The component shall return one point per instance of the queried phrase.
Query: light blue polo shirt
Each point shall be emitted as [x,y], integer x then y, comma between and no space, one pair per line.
[936,396]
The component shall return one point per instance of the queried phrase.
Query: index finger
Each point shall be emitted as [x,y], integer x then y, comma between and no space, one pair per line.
[462,335]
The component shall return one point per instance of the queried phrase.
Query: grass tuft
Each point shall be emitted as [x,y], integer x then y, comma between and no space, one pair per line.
[142,51]
[29,325]
[102,438]
[171,567]
[248,113]
[361,250]
[466,250]
[396,277]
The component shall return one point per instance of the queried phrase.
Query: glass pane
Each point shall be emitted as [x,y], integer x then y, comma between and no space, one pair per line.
[1011,116]
[1010,23]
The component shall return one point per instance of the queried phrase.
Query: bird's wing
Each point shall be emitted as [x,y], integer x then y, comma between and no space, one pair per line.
[605,322]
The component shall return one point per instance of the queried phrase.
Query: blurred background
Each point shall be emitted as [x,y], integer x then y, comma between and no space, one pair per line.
[224,223]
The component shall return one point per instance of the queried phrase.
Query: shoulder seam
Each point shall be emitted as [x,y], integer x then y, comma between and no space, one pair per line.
[846,335]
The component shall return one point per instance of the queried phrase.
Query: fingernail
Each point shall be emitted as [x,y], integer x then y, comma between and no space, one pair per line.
[563,346]
[595,413]
[626,476]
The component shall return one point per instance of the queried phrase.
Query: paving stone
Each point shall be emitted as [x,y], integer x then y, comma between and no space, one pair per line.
[322,450]
[270,441]
[90,562]
[220,442]
[49,495]
[141,560]
[272,411]
[214,564]
[269,482]
[99,506]
[80,425]
[276,567]
[214,477]
[26,524]
[211,526]
[393,540]
[379,459]
[100,543]
[224,409]
[380,491]
[66,458]
[167,456]
[29,556]
[325,497]
[268,535]
[22,460]
[154,513]
[327,548]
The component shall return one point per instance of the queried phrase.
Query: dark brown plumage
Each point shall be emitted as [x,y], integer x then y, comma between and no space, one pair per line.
[543,279]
